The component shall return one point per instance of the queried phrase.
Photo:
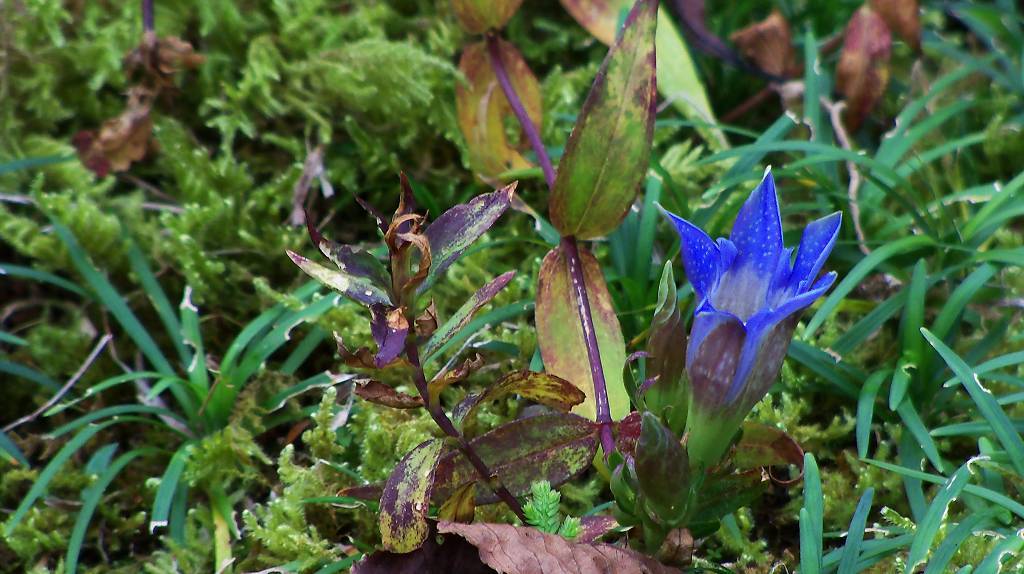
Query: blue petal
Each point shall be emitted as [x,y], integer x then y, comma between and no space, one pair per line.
[815,245]
[759,329]
[701,258]
[757,232]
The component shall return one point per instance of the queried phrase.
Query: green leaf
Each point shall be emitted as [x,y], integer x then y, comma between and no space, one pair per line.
[479,16]
[10,339]
[668,397]
[866,409]
[542,388]
[50,470]
[168,486]
[1008,548]
[554,447]
[986,402]
[8,447]
[560,335]
[952,541]
[91,499]
[607,154]
[811,518]
[935,517]
[406,498]
[465,314]
[362,290]
[979,491]
[855,534]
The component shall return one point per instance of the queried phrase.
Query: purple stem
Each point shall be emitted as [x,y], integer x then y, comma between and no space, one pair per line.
[569,247]
[494,51]
[579,287]
[441,419]
[147,16]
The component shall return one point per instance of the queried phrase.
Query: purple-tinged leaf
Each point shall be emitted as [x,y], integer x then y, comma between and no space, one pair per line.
[360,289]
[351,259]
[627,433]
[446,554]
[449,377]
[389,328]
[593,528]
[483,109]
[607,154]
[479,16]
[538,387]
[457,229]
[406,498]
[381,394]
[662,469]
[560,335]
[554,447]
[464,315]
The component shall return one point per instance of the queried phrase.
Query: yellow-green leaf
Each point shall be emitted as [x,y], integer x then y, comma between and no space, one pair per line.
[479,16]
[406,498]
[560,335]
[608,151]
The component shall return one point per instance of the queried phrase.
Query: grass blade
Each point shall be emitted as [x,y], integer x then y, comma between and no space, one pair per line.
[855,534]
[168,486]
[986,402]
[935,516]
[951,543]
[8,447]
[866,410]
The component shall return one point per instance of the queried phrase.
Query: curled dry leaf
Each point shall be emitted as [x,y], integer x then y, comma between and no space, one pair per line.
[903,18]
[483,108]
[763,446]
[158,59]
[445,379]
[521,550]
[121,141]
[426,323]
[381,394]
[863,71]
[768,44]
[479,16]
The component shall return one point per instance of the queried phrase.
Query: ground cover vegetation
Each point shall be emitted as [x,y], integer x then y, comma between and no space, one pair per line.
[511,286]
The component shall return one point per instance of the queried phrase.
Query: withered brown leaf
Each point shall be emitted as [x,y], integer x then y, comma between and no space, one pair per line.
[863,71]
[768,44]
[121,140]
[903,18]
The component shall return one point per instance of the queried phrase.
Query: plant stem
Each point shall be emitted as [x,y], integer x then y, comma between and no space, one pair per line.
[569,247]
[579,287]
[494,52]
[442,420]
[147,16]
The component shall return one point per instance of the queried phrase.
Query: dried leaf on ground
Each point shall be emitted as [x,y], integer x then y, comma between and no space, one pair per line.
[521,550]
[863,71]
[122,140]
[768,44]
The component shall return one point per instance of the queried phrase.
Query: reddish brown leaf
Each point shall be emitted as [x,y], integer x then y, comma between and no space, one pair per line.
[121,141]
[594,527]
[381,394]
[765,446]
[768,44]
[863,71]
[159,59]
[479,16]
[903,18]
[627,433]
[554,447]
[483,108]
[426,323]
[522,550]
[445,379]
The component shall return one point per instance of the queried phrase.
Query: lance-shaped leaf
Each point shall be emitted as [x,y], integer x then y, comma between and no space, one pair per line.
[483,110]
[560,335]
[523,550]
[464,315]
[479,16]
[662,469]
[381,394]
[678,80]
[358,288]
[765,446]
[457,229]
[406,498]
[542,388]
[668,396]
[607,154]
[350,259]
[554,447]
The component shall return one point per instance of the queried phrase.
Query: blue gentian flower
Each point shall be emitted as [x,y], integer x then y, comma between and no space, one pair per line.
[750,293]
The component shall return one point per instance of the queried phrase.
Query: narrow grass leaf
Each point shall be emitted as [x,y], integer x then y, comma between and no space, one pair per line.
[855,534]
[168,486]
[936,516]
[866,410]
[953,540]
